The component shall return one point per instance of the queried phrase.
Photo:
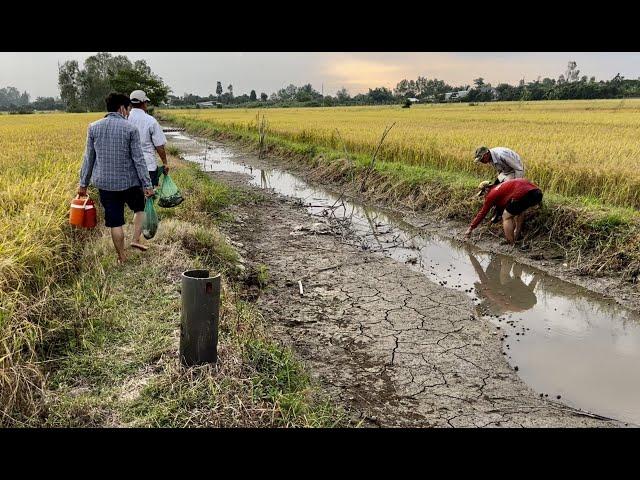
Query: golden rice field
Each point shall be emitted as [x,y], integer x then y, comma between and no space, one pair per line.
[573,148]
[569,147]
[40,156]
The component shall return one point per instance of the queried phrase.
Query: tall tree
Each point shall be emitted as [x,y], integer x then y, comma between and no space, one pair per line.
[68,83]
[140,77]
[252,96]
[85,89]
[343,95]
[9,97]
[287,93]
[24,99]
[572,72]
[406,88]
[47,103]
[307,93]
[380,95]
[94,80]
[264,97]
[219,90]
[431,87]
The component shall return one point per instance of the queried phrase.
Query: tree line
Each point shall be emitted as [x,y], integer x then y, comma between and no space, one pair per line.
[83,89]
[12,101]
[568,86]
[289,96]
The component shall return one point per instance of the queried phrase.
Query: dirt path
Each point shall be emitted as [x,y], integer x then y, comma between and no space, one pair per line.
[386,343]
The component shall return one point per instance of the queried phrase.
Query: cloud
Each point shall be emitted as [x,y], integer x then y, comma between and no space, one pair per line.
[360,74]
[198,72]
[363,70]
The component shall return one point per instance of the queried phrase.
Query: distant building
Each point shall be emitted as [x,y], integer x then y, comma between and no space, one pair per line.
[209,104]
[489,89]
[459,95]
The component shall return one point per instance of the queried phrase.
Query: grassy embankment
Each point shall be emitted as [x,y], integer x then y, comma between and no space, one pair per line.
[589,212]
[86,342]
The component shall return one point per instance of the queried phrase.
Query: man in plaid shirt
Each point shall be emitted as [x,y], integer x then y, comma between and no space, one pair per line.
[113,162]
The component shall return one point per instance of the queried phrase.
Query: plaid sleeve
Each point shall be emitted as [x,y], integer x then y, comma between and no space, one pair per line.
[88,161]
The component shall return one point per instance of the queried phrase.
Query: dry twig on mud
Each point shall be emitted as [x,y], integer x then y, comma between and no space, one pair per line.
[375,154]
[331,267]
[344,187]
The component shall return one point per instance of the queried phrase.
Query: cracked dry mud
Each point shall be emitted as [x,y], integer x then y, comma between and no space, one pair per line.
[382,341]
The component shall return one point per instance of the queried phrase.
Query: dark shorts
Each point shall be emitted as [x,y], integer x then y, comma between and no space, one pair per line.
[113,203]
[530,199]
[154,177]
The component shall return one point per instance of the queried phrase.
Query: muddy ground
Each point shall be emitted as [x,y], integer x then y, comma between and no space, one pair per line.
[549,260]
[383,341]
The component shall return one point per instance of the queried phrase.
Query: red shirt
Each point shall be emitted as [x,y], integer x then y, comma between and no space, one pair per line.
[501,194]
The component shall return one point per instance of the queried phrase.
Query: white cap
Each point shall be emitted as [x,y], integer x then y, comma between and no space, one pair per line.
[138,96]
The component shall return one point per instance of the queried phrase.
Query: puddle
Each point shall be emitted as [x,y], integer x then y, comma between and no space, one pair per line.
[569,344]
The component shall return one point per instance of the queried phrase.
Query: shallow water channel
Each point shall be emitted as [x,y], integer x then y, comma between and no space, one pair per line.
[569,344]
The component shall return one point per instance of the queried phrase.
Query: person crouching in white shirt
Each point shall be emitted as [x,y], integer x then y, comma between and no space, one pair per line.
[152,137]
[506,162]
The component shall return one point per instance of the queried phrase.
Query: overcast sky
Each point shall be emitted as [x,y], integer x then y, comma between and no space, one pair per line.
[197,72]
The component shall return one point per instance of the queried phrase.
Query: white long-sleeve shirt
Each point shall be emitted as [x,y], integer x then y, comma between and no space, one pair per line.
[151,135]
[506,161]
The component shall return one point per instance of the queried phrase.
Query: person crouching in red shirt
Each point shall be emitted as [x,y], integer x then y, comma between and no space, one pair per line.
[514,197]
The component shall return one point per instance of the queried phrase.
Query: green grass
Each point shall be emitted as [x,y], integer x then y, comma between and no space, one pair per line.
[125,370]
[413,175]
[558,140]
[262,275]
[113,360]
[586,230]
[172,150]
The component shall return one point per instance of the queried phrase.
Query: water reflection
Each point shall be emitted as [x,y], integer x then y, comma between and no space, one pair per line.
[264,178]
[565,340]
[501,286]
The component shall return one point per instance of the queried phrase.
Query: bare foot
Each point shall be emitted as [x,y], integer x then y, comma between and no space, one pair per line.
[139,246]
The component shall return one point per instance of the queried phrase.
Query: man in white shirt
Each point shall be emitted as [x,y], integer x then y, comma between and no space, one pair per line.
[506,162]
[152,137]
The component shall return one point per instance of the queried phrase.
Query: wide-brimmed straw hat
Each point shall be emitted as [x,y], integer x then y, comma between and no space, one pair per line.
[482,187]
